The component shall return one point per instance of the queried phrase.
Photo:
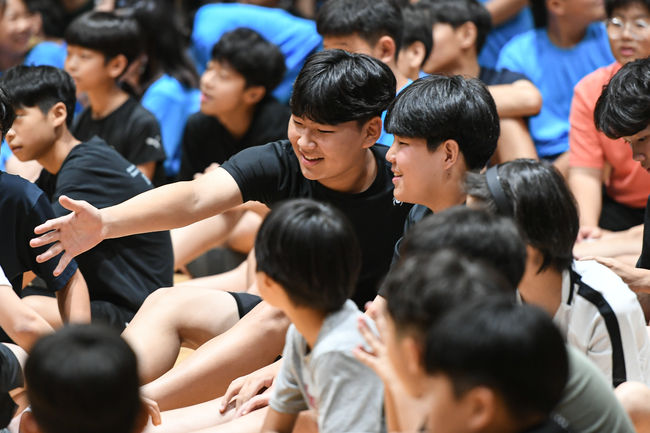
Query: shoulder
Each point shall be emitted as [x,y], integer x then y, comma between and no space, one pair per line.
[165,87]
[602,286]
[16,190]
[593,83]
[339,334]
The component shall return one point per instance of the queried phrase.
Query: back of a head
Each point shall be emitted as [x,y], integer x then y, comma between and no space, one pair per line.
[40,86]
[477,234]
[368,19]
[439,108]
[83,379]
[418,28]
[513,349]
[335,86]
[623,108]
[536,196]
[107,33]
[458,12]
[311,250]
[7,113]
[259,61]
[424,287]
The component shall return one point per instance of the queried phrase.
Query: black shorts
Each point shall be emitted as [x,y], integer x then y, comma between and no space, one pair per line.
[245,302]
[11,374]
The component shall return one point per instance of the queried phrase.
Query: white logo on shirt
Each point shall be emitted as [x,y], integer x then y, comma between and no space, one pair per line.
[153,141]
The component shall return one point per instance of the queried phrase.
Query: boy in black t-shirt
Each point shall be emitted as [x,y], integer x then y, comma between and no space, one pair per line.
[237,109]
[330,156]
[120,272]
[101,46]
[459,29]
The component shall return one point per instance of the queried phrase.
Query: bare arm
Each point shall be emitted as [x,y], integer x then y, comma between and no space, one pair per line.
[502,10]
[22,324]
[514,141]
[519,99]
[148,169]
[278,422]
[586,184]
[73,300]
[163,208]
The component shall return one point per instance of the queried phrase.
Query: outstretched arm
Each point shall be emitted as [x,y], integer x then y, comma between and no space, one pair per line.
[163,208]
[74,301]
[502,10]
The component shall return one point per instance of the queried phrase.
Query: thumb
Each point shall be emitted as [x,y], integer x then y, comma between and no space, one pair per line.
[73,205]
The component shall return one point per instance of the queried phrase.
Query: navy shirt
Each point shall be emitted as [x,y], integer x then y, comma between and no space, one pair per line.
[23,206]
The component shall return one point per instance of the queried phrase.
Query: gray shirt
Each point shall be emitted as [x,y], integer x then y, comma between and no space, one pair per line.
[346,395]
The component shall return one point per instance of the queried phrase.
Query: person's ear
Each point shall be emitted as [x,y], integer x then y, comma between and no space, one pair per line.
[58,114]
[481,407]
[413,55]
[556,7]
[28,423]
[254,94]
[467,34]
[385,49]
[117,65]
[372,131]
[412,355]
[451,152]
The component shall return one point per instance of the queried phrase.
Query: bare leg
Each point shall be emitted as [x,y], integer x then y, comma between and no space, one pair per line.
[232,281]
[255,341]
[191,418]
[242,237]
[173,316]
[635,398]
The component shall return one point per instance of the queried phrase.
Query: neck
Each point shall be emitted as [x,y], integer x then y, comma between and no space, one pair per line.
[542,289]
[401,79]
[357,178]
[466,65]
[450,195]
[565,32]
[103,101]
[59,151]
[307,321]
[237,123]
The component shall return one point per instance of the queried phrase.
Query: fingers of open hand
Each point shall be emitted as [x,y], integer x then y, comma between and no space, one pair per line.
[233,389]
[257,402]
[376,345]
[152,410]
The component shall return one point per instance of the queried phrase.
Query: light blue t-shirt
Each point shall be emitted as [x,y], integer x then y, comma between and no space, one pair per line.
[171,103]
[47,53]
[296,37]
[499,36]
[555,71]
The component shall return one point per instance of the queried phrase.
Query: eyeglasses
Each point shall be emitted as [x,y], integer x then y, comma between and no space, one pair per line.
[637,28]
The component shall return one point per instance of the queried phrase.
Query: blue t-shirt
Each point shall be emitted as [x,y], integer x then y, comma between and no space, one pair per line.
[296,37]
[47,53]
[555,71]
[171,103]
[499,36]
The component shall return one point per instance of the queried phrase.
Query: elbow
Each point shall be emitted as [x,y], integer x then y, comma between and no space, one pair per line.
[536,102]
[26,331]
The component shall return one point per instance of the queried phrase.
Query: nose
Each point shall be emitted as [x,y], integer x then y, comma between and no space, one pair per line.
[206,79]
[305,141]
[11,134]
[392,151]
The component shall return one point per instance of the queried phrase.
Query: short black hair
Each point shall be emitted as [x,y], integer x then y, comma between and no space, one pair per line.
[259,61]
[542,205]
[439,108]
[40,86]
[623,108]
[109,33]
[335,86]
[83,379]
[311,250]
[424,287]
[458,12]
[368,19]
[611,5]
[7,113]
[477,234]
[513,349]
[418,28]
[540,13]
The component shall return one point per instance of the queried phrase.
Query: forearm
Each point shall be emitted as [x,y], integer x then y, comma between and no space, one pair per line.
[502,10]
[586,185]
[171,206]
[74,301]
[21,323]
[519,99]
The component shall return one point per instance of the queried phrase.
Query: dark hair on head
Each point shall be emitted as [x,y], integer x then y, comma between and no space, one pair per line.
[611,5]
[52,14]
[539,12]
[542,206]
[368,19]
[477,234]
[259,61]
[513,349]
[166,41]
[311,250]
[423,287]
[458,12]
[83,379]
[439,108]
[40,86]
[335,86]
[418,29]
[7,113]
[623,108]
[109,33]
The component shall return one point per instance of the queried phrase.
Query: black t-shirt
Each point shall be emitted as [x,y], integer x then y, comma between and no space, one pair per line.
[122,271]
[493,77]
[644,260]
[22,207]
[206,140]
[271,173]
[131,129]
